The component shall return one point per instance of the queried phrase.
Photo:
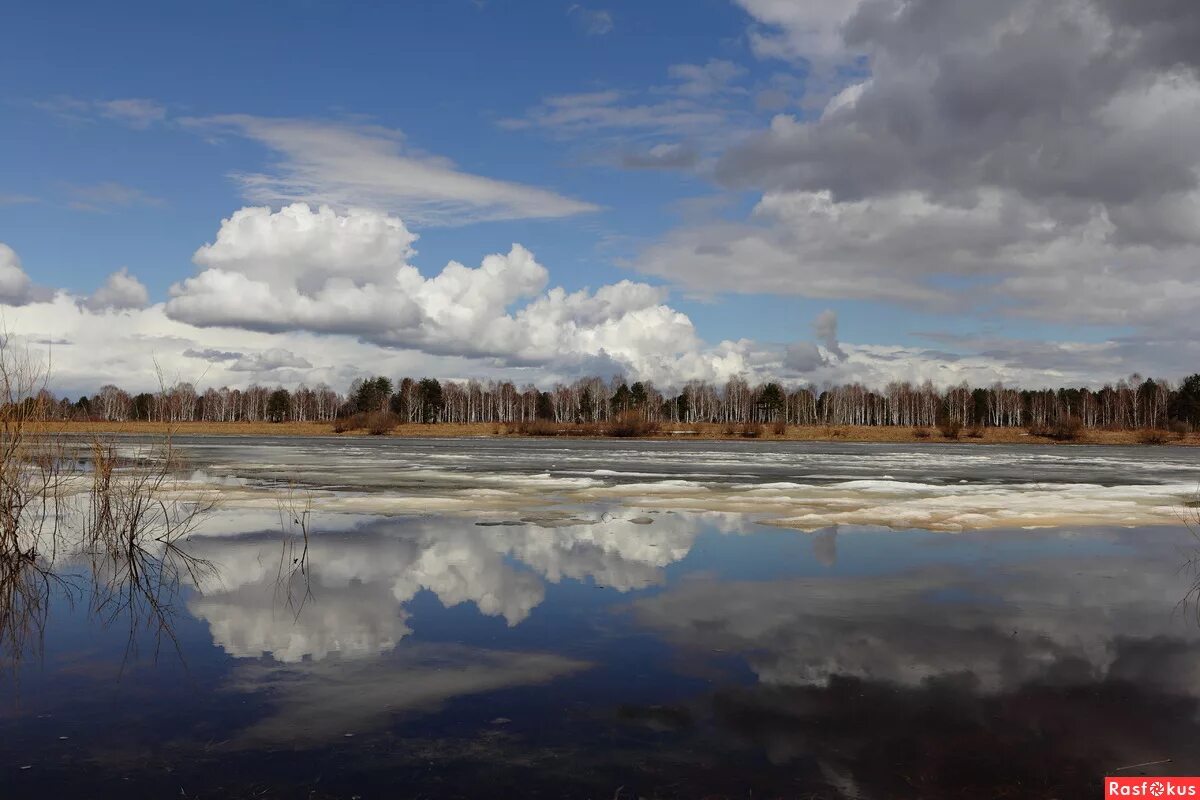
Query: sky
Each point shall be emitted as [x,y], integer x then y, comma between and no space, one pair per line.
[809,190]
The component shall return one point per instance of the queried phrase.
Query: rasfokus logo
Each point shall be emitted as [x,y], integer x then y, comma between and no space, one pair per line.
[1152,787]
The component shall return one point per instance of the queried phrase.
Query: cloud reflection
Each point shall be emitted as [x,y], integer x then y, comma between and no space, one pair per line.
[315,702]
[1003,626]
[360,581]
[956,680]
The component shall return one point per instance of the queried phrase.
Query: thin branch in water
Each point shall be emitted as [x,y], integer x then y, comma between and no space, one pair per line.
[294,517]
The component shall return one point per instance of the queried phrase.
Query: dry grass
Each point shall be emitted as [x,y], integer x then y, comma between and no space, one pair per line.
[66,503]
[795,433]
[133,533]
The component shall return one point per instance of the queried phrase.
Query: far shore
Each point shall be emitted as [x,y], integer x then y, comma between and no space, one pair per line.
[668,431]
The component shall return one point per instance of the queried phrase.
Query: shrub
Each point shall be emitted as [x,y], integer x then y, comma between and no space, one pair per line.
[1069,429]
[779,428]
[1152,436]
[538,427]
[1179,428]
[381,423]
[730,429]
[976,432]
[1066,429]
[950,428]
[589,429]
[631,425]
[351,423]
[751,430]
[921,433]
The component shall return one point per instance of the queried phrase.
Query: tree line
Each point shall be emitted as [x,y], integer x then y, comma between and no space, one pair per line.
[1133,403]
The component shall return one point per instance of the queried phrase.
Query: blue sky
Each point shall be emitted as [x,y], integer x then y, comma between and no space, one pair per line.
[443,73]
[761,161]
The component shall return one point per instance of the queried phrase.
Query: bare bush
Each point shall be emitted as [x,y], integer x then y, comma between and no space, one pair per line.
[779,428]
[1067,429]
[64,503]
[538,427]
[950,429]
[631,425]
[750,430]
[354,422]
[921,433]
[295,515]
[381,423]
[1152,436]
[31,481]
[1190,518]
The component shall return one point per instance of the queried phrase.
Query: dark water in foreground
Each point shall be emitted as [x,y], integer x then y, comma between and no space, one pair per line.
[619,652]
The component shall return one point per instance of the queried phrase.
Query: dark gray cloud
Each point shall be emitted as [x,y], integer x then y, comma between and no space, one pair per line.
[211,354]
[806,357]
[803,357]
[1023,157]
[270,360]
[1165,32]
[1013,93]
[1079,363]
[826,328]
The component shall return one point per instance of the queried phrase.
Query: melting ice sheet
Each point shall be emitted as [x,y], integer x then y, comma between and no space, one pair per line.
[797,485]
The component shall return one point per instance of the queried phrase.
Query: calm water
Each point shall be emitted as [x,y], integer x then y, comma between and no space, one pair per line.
[535,620]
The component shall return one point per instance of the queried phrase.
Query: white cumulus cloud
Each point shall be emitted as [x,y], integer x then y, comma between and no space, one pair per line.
[15,287]
[305,269]
[121,291]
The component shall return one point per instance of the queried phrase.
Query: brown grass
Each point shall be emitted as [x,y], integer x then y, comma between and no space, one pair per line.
[795,433]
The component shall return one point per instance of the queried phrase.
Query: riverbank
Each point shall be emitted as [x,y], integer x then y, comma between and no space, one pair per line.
[798,433]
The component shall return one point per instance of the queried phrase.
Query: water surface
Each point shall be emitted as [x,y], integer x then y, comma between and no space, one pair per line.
[562,631]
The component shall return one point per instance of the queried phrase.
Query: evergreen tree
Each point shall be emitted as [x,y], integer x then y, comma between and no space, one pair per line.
[278,405]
